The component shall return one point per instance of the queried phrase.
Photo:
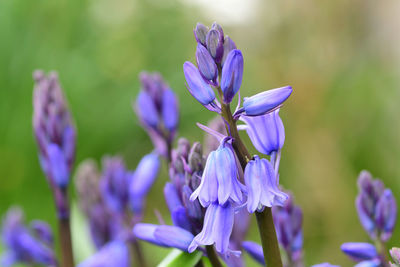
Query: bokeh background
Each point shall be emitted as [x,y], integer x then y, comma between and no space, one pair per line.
[342,58]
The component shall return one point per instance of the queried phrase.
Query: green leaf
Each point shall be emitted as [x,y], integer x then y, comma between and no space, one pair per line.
[179,258]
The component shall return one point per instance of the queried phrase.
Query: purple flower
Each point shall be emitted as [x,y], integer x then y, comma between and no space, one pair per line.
[215,43]
[42,231]
[288,224]
[220,178]
[376,207]
[176,208]
[325,264]
[200,33]
[359,251]
[164,235]
[266,132]
[207,67]
[114,184]
[54,130]
[262,185]
[157,109]
[255,251]
[217,228]
[26,246]
[114,253]
[229,45]
[197,86]
[266,101]
[142,180]
[232,74]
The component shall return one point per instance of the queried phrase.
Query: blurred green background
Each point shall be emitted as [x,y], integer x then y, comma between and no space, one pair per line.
[342,58]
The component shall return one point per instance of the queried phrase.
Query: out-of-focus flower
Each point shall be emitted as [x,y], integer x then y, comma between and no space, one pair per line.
[207,67]
[395,254]
[24,245]
[157,109]
[211,143]
[266,101]
[325,264]
[112,254]
[262,185]
[255,251]
[266,132]
[360,251]
[288,221]
[376,207]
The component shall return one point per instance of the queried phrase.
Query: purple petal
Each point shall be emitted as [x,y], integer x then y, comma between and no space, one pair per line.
[173,236]
[170,112]
[58,165]
[255,251]
[196,85]
[266,101]
[206,64]
[232,74]
[359,251]
[146,109]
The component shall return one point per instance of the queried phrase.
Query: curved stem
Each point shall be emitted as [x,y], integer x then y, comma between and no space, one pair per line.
[212,256]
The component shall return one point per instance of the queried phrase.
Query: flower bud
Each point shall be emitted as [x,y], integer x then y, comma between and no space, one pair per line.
[170,113]
[359,251]
[229,45]
[207,67]
[255,250]
[266,101]
[147,110]
[215,44]
[57,165]
[200,33]
[232,74]
[196,85]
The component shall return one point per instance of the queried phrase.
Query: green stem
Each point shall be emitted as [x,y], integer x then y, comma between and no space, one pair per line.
[67,258]
[265,222]
[136,250]
[212,256]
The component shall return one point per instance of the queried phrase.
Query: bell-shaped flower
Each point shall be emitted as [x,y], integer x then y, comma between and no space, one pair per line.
[217,228]
[196,85]
[262,185]
[164,235]
[115,253]
[266,132]
[359,251]
[143,178]
[206,64]
[232,74]
[219,182]
[266,101]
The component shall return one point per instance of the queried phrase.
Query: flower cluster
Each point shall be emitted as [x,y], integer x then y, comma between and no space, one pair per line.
[377,210]
[157,109]
[26,245]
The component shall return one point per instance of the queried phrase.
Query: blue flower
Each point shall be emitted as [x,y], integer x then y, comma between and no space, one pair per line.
[232,74]
[266,132]
[261,183]
[359,251]
[207,67]
[217,228]
[219,182]
[266,101]
[255,251]
[114,253]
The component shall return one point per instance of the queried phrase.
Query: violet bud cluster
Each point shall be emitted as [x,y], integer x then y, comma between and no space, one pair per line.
[157,109]
[115,253]
[31,245]
[55,135]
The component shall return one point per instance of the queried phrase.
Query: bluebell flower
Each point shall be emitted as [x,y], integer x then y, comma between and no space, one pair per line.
[215,43]
[207,67]
[219,182]
[164,235]
[360,251]
[200,33]
[376,207]
[232,74]
[142,179]
[115,253]
[255,251]
[157,109]
[217,228]
[266,101]
[197,86]
[288,221]
[54,131]
[262,185]
[229,45]
[266,132]
[42,231]
[114,184]
[24,245]
[176,207]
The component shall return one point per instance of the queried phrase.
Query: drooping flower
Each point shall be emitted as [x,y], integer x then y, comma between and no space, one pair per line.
[232,75]
[217,228]
[288,221]
[266,101]
[262,185]
[266,132]
[219,182]
[376,207]
[112,254]
[24,245]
